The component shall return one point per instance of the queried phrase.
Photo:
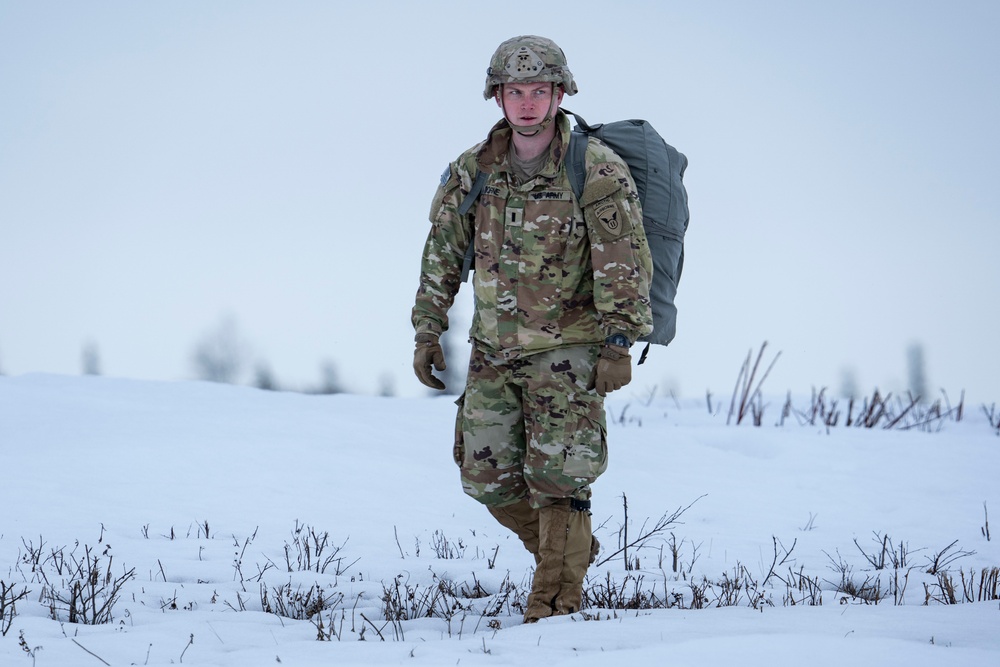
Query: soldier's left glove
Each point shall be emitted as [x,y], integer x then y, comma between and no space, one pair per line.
[614,369]
[427,352]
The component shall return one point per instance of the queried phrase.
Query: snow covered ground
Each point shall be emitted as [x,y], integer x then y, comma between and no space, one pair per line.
[188,497]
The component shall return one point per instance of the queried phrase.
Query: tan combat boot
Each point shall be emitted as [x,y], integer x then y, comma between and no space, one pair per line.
[581,550]
[553,525]
[522,519]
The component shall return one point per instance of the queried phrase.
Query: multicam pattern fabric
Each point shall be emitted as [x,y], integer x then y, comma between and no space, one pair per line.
[528,58]
[530,429]
[549,271]
[553,278]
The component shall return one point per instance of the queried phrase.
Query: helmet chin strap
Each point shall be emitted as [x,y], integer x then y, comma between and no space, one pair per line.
[531,130]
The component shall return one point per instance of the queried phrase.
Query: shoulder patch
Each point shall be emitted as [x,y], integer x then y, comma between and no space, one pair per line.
[604,207]
[608,219]
[610,216]
[449,184]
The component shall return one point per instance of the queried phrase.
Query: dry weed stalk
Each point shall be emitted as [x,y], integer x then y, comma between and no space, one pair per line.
[663,524]
[8,604]
[312,551]
[750,400]
[84,588]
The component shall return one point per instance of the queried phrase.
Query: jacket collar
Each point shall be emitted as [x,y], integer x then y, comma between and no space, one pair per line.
[493,156]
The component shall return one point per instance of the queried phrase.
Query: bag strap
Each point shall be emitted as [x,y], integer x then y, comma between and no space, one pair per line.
[463,210]
[576,157]
[477,188]
[645,351]
[576,163]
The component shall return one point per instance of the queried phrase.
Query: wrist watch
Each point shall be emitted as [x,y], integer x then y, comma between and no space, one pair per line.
[619,339]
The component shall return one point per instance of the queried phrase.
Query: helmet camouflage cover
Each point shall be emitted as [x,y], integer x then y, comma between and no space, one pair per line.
[528,59]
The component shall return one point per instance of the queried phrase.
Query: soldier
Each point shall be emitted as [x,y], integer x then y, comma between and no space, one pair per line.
[561,291]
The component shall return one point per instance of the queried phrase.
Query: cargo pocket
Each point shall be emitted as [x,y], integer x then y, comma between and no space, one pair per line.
[586,456]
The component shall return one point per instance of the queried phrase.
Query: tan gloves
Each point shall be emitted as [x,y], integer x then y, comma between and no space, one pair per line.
[428,352]
[614,369]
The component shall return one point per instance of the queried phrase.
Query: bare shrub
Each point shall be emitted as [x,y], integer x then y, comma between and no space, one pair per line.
[989,584]
[869,591]
[630,593]
[676,564]
[510,598]
[331,626]
[729,589]
[699,597]
[931,417]
[993,416]
[646,534]
[940,561]
[878,411]
[9,598]
[402,601]
[941,591]
[624,420]
[821,411]
[885,555]
[298,603]
[32,557]
[312,551]
[82,589]
[801,589]
[445,549]
[945,590]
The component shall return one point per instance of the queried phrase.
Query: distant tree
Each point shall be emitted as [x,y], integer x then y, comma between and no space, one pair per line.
[916,371]
[264,377]
[329,379]
[387,386]
[220,355]
[848,383]
[90,359]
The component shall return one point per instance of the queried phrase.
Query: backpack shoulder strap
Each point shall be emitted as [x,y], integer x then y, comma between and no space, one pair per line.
[576,157]
[576,162]
[463,210]
[474,192]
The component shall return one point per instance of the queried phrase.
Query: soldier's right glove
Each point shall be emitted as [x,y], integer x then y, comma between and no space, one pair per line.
[614,369]
[427,352]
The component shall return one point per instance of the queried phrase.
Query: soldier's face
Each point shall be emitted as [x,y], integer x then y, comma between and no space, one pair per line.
[528,103]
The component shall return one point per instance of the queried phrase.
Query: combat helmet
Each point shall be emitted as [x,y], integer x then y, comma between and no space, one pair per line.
[528,59]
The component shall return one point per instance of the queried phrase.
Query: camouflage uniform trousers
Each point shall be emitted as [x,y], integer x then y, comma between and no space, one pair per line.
[529,429]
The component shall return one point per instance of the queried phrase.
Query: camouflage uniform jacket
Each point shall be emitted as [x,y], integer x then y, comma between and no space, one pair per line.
[549,271]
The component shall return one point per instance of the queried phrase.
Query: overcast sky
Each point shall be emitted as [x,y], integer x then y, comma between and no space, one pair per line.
[165,166]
